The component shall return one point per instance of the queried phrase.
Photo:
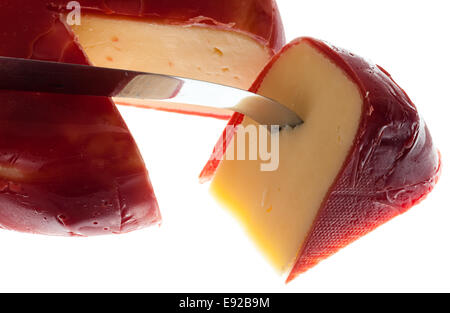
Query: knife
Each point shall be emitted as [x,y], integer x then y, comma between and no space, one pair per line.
[136,88]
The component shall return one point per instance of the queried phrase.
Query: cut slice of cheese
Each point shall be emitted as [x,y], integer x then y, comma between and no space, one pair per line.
[206,53]
[362,157]
[278,208]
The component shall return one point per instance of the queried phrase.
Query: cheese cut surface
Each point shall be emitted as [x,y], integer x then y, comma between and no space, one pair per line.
[206,53]
[278,208]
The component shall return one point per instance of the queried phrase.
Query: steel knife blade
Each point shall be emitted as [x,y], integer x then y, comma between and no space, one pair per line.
[170,92]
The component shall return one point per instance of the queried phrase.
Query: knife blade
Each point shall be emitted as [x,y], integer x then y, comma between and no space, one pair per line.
[131,87]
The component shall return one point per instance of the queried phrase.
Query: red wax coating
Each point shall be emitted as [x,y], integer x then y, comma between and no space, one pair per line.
[392,165]
[68,164]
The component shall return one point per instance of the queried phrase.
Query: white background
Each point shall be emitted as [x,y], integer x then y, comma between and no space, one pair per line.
[199,247]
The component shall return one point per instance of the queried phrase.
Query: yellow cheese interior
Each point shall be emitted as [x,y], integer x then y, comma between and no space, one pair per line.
[196,52]
[278,208]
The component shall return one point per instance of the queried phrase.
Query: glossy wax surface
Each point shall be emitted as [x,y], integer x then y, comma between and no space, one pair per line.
[393,164]
[68,165]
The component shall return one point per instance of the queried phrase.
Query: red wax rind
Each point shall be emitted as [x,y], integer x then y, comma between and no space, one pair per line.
[391,166]
[68,164]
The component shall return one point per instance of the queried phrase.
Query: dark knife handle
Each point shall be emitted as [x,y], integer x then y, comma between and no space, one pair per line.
[20,75]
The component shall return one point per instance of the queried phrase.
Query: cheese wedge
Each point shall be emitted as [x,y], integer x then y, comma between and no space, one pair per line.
[69,165]
[362,156]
